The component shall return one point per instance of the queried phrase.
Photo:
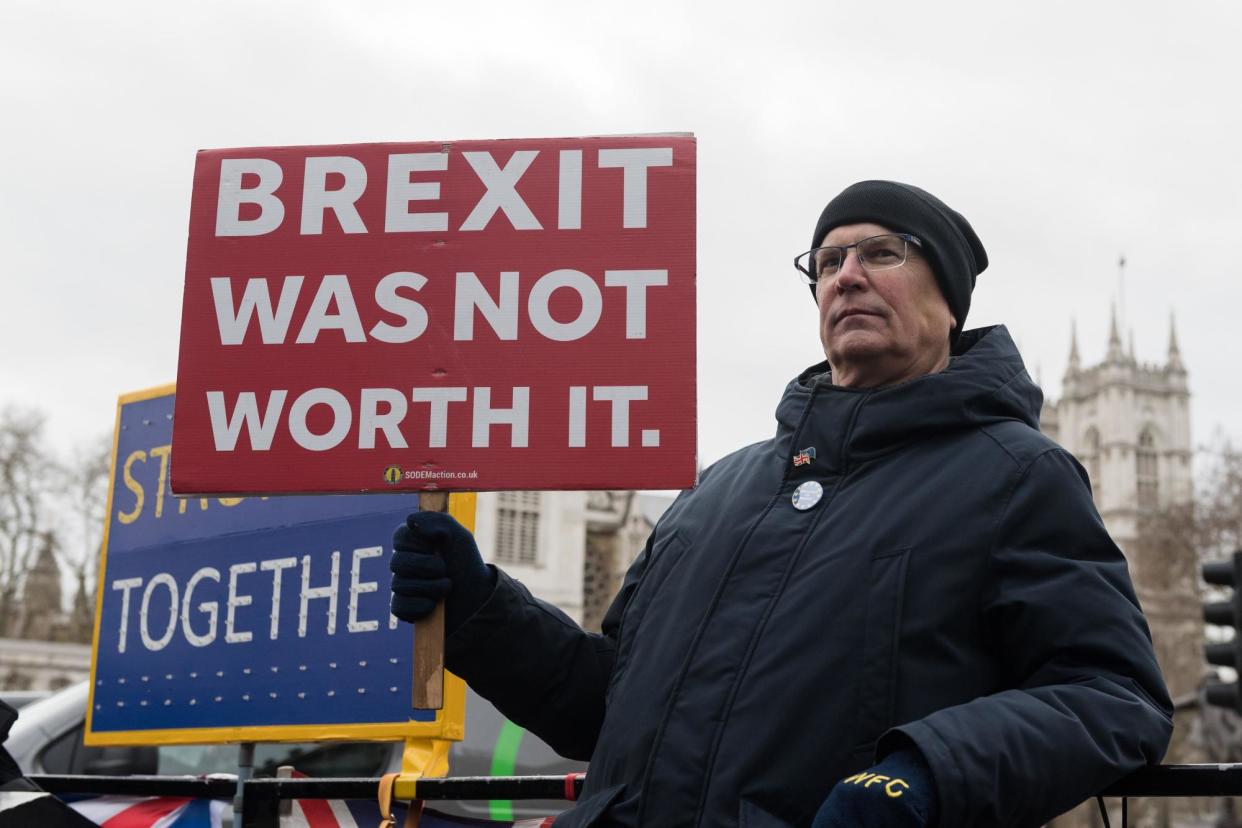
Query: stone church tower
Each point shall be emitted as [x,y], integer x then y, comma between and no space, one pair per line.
[41,594]
[1128,423]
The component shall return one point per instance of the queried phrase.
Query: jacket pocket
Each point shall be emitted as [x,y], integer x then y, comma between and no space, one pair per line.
[750,815]
[877,676]
[588,811]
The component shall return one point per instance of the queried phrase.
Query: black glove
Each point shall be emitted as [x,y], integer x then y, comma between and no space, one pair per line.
[435,558]
[898,792]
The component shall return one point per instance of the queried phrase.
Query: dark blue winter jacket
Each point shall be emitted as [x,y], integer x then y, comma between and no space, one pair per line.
[954,584]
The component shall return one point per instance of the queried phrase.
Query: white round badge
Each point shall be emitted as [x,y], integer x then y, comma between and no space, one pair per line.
[807,495]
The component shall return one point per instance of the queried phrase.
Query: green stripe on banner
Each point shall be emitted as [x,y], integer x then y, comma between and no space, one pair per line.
[504,763]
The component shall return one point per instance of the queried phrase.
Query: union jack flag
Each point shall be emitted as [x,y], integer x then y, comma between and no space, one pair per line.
[804,457]
[152,811]
[182,812]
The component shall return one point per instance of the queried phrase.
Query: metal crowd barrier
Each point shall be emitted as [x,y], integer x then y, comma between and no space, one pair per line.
[261,798]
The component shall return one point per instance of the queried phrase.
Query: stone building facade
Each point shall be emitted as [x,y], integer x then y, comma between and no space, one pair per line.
[33,664]
[569,548]
[618,524]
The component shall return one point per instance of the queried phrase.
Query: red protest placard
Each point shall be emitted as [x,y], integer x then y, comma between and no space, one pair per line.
[473,315]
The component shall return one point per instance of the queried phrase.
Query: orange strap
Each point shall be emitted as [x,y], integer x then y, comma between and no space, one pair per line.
[412,814]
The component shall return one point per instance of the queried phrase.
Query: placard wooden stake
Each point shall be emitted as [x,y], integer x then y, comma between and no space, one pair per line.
[429,633]
[428,684]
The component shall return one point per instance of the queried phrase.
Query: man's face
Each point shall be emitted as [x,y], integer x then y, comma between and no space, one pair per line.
[881,327]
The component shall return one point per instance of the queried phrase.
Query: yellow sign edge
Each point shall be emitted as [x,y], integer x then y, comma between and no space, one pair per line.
[450,724]
[450,721]
[124,399]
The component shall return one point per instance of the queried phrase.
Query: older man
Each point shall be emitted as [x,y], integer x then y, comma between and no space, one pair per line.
[902,610]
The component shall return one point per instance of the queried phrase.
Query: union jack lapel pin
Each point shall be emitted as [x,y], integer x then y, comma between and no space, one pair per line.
[804,457]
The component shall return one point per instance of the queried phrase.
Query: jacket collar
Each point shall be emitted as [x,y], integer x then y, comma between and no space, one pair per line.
[985,382]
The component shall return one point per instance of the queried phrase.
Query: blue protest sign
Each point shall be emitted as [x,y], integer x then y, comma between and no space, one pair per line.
[245,619]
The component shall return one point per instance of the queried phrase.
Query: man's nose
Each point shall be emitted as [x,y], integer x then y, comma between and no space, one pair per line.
[851,276]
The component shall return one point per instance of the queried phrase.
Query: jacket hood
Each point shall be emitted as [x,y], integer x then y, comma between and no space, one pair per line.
[986,382]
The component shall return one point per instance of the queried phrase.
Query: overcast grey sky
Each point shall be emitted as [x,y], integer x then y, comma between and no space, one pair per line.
[1067,133]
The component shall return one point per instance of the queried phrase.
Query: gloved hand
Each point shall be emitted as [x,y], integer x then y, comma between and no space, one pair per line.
[435,558]
[897,792]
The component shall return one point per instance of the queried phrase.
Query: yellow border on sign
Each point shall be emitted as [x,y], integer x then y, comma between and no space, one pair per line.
[450,721]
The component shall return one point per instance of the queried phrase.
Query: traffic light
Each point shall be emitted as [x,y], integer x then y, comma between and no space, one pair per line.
[1228,613]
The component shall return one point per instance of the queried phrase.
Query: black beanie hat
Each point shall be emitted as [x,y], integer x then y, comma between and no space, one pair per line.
[949,242]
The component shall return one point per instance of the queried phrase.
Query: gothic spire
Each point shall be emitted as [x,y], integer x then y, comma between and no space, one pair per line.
[1175,353]
[1114,339]
[1074,362]
[1121,290]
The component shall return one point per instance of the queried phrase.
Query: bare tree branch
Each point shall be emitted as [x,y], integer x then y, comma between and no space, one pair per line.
[27,483]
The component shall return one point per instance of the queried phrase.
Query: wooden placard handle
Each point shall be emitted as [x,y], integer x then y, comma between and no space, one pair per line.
[429,633]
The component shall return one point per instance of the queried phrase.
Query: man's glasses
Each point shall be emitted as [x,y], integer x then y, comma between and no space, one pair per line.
[874,253]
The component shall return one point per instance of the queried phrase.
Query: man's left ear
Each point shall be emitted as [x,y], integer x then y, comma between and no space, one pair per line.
[952,322]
